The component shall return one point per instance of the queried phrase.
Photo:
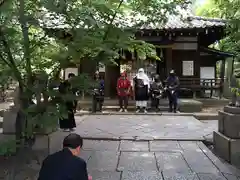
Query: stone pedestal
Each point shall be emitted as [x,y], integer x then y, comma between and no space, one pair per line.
[227,140]
[9,120]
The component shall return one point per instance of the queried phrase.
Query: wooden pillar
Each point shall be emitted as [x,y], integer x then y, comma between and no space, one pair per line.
[107,81]
[196,65]
[169,60]
[88,66]
[158,62]
[112,72]
[222,73]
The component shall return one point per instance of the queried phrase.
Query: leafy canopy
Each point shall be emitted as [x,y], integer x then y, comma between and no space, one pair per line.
[38,38]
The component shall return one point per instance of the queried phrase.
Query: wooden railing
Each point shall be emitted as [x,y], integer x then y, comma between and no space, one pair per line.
[201,85]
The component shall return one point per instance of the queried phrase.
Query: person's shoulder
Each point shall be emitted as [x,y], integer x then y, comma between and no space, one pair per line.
[79,161]
[52,158]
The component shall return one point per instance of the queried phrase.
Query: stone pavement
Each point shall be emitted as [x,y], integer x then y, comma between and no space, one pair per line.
[154,160]
[141,148]
[143,127]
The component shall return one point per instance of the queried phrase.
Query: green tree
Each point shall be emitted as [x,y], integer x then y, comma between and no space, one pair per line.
[32,46]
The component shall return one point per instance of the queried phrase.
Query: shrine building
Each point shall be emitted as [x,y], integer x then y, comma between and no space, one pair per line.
[182,44]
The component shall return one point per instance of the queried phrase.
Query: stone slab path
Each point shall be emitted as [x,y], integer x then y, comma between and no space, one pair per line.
[130,147]
[146,127]
[154,160]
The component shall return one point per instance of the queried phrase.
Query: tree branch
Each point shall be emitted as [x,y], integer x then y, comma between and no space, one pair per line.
[111,22]
[5,61]
[26,43]
[10,58]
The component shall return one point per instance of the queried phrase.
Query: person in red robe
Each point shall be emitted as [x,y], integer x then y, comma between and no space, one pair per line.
[123,90]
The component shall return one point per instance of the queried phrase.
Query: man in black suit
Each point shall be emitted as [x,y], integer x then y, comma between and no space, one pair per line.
[65,164]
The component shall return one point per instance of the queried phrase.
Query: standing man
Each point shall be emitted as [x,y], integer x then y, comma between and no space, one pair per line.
[156,92]
[98,94]
[172,83]
[123,90]
[65,164]
[141,87]
[66,88]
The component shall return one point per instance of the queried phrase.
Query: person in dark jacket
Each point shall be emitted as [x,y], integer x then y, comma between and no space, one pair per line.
[98,94]
[156,92]
[66,88]
[172,84]
[65,164]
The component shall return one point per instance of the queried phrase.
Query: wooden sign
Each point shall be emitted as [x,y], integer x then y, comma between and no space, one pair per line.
[187,68]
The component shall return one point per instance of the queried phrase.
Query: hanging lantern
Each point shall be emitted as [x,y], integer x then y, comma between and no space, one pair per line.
[206,31]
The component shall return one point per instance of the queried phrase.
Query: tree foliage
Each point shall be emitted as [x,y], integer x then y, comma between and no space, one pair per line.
[33,48]
[228,10]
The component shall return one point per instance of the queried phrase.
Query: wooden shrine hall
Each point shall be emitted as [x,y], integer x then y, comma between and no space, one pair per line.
[182,44]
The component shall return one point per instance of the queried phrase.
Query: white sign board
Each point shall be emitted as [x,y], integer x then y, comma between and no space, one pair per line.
[187,68]
[70,70]
[101,67]
[207,72]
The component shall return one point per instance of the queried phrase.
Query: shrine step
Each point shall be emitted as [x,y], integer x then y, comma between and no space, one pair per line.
[130,108]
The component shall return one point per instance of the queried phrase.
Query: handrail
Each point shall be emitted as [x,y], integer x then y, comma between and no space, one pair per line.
[201,83]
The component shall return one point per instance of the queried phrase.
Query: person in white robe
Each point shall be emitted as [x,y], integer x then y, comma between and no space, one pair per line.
[141,87]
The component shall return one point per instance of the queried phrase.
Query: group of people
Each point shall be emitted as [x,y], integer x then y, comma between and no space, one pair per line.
[145,89]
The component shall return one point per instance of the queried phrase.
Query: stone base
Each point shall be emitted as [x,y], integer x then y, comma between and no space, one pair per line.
[232,109]
[229,124]
[9,121]
[226,148]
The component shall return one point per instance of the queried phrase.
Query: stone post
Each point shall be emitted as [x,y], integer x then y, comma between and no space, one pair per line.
[227,139]
[10,116]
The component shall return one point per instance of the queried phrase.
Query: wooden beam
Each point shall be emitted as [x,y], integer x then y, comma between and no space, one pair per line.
[168,59]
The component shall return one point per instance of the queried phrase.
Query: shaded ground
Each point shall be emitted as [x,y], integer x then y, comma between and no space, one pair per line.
[154,160]
[212,109]
[135,153]
[143,127]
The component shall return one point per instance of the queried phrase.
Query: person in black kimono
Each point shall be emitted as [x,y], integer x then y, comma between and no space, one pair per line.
[156,92]
[172,88]
[141,87]
[98,94]
[66,88]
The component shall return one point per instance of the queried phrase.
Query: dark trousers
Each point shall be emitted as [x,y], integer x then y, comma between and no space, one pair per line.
[123,101]
[155,103]
[97,103]
[172,98]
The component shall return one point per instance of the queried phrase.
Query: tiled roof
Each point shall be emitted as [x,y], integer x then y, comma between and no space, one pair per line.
[177,22]
[184,20]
